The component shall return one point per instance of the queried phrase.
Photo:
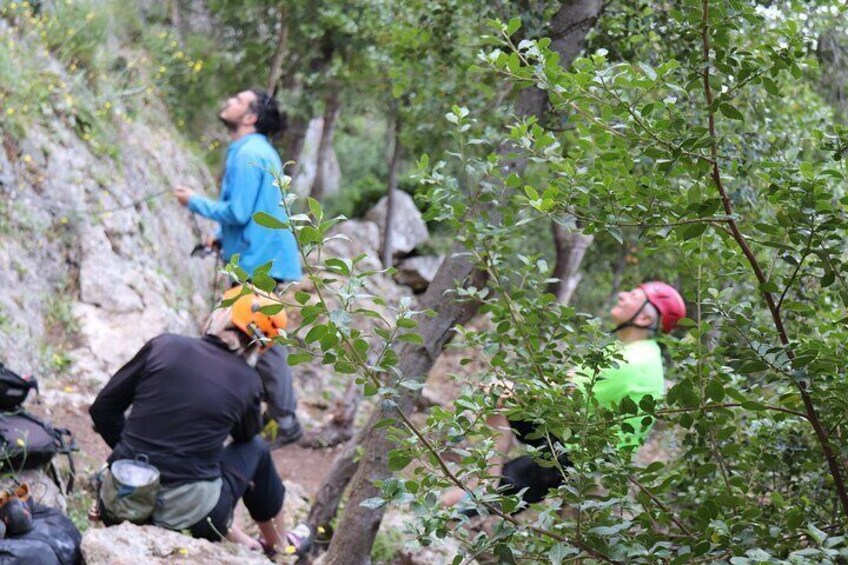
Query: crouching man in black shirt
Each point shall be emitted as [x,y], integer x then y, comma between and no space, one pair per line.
[188,395]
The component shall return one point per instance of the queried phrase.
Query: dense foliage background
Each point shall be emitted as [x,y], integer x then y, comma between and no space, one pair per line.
[698,142]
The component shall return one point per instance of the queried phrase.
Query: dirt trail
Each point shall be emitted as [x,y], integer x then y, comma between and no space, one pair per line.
[307,467]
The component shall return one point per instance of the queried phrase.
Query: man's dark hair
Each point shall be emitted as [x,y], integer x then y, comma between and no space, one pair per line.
[269,120]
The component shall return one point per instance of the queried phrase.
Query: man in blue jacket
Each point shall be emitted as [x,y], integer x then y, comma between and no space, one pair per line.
[252,116]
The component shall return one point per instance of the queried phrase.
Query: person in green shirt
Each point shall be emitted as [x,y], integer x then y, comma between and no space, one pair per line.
[639,314]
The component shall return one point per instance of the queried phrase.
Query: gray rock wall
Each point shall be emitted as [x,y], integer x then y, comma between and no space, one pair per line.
[93,262]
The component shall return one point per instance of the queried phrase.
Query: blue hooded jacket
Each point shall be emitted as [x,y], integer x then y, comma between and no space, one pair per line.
[246,189]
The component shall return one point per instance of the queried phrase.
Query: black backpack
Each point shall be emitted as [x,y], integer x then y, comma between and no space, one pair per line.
[14,388]
[29,443]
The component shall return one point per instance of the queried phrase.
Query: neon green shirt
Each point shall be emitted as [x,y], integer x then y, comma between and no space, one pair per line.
[638,375]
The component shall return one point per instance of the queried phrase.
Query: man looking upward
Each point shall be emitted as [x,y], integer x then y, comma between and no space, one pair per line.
[252,116]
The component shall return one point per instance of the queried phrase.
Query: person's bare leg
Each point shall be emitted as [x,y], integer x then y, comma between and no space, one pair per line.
[503,442]
[274,531]
[235,535]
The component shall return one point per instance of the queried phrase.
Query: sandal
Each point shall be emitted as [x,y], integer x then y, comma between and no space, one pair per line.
[300,540]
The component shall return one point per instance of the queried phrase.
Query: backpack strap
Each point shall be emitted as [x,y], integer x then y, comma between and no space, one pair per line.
[67,449]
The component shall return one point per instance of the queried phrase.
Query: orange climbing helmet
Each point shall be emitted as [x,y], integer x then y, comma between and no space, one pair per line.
[249,318]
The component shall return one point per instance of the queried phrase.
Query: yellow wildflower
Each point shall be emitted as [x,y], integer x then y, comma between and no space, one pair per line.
[26,159]
[20,442]
[10,111]
[291,550]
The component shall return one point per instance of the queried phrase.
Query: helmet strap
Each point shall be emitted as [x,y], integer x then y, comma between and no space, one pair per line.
[631,324]
[256,334]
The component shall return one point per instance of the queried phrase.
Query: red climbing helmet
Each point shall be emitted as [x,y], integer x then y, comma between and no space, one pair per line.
[667,301]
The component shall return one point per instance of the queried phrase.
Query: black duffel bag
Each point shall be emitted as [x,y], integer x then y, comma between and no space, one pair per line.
[53,540]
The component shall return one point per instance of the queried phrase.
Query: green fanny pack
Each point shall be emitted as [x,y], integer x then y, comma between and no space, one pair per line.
[129,489]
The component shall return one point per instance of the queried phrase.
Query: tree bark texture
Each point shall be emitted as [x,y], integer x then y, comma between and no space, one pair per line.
[332,109]
[358,525]
[571,246]
[568,30]
[329,497]
[832,53]
[292,143]
[280,51]
[394,164]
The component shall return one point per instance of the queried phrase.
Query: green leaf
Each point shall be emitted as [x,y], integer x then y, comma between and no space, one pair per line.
[411,338]
[769,286]
[315,334]
[298,358]
[407,323]
[513,26]
[560,551]
[266,220]
[398,460]
[302,297]
[373,503]
[731,112]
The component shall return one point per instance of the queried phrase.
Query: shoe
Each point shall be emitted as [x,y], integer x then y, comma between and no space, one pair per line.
[283,432]
[299,540]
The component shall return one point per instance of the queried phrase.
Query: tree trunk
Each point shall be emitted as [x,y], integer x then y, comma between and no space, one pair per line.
[571,246]
[394,164]
[568,30]
[832,53]
[329,497]
[358,525]
[280,52]
[292,143]
[332,109]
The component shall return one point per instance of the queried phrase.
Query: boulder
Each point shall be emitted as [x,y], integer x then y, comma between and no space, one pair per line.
[418,272]
[128,544]
[409,229]
[43,489]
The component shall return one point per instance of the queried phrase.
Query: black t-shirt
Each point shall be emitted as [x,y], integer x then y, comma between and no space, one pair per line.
[187,396]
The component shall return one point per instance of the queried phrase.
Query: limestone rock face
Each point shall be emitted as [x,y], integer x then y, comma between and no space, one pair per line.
[94,251]
[418,272]
[408,228]
[128,544]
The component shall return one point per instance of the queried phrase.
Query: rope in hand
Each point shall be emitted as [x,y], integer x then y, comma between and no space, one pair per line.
[80,212]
